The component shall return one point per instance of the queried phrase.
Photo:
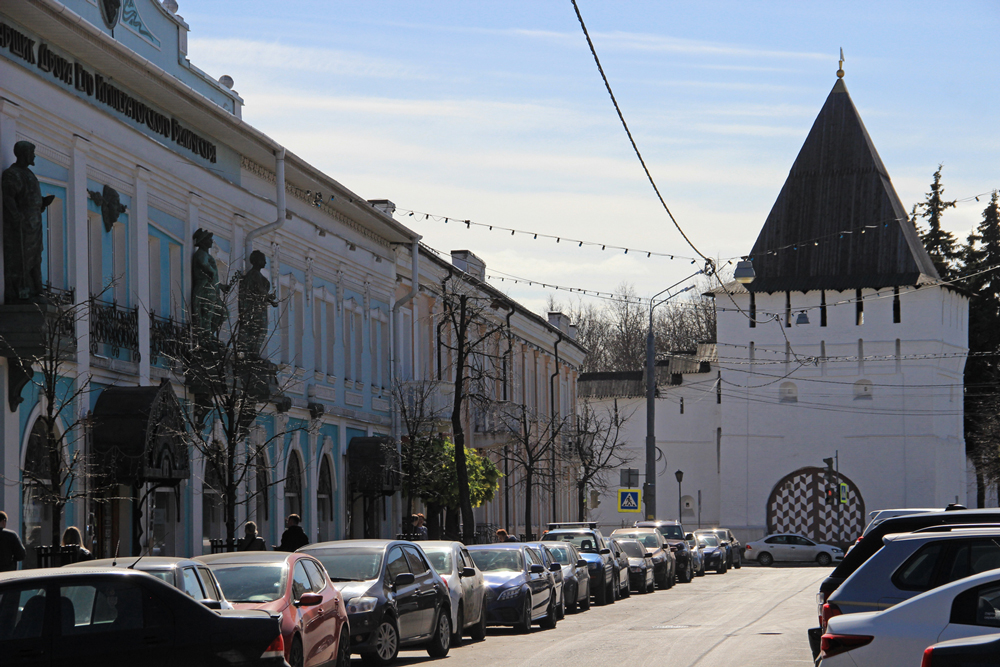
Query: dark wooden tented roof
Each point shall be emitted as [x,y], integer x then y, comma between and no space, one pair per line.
[838,223]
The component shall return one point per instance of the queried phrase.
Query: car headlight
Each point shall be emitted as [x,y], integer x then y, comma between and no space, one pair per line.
[361,605]
[509,594]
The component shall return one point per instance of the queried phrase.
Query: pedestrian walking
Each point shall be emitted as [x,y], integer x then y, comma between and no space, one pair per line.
[294,537]
[11,549]
[419,529]
[72,538]
[251,540]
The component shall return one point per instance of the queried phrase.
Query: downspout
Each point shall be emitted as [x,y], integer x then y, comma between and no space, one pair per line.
[552,416]
[279,183]
[414,289]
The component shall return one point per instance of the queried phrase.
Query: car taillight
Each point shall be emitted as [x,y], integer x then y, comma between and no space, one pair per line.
[276,649]
[928,657]
[820,600]
[831,645]
[748,548]
[829,611]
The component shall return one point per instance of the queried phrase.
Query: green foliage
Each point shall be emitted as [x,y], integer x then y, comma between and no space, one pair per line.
[435,480]
[940,244]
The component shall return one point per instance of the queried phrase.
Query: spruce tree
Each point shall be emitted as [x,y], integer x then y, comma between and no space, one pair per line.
[940,244]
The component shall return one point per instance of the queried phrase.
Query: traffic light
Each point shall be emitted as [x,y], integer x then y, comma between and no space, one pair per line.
[595,499]
[831,495]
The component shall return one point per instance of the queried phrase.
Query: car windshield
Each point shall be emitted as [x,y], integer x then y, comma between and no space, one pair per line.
[707,540]
[583,541]
[671,532]
[494,560]
[166,576]
[632,548]
[259,582]
[440,559]
[350,564]
[647,539]
[560,554]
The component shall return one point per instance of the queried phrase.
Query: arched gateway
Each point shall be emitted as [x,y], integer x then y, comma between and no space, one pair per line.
[797,504]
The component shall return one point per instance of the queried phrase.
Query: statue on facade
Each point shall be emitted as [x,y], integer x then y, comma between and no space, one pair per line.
[208,308]
[255,296]
[110,203]
[23,205]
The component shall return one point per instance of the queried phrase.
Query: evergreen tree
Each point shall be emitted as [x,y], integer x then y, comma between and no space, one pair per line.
[940,244]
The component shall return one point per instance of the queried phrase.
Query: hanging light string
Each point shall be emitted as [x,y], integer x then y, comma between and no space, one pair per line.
[536,235]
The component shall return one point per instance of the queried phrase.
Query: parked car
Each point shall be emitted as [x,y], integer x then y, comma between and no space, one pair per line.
[520,588]
[966,652]
[593,548]
[640,565]
[576,581]
[791,547]
[466,586]
[699,555]
[295,586]
[620,566]
[735,556]
[394,598]
[687,563]
[713,552]
[191,576]
[664,561]
[554,568]
[116,617]
[899,635]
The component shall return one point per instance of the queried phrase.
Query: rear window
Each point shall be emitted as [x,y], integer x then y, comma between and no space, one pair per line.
[972,558]
[440,560]
[251,583]
[583,541]
[492,560]
[633,549]
[917,572]
[671,532]
[349,564]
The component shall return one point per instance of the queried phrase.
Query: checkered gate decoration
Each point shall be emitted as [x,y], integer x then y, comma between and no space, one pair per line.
[797,505]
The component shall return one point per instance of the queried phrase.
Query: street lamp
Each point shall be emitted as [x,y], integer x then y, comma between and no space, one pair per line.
[680,503]
[649,488]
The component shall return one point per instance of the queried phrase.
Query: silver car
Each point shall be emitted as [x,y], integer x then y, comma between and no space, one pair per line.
[465,586]
[188,575]
[791,547]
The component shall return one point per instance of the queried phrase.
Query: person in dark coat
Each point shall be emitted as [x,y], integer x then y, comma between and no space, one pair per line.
[294,537]
[11,548]
[72,538]
[251,540]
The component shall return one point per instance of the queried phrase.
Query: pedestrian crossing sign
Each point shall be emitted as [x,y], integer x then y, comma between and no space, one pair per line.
[629,500]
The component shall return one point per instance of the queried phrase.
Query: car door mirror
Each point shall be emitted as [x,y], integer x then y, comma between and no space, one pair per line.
[536,569]
[604,552]
[212,604]
[581,563]
[404,579]
[648,555]
[311,599]
[555,567]
[689,537]
[467,572]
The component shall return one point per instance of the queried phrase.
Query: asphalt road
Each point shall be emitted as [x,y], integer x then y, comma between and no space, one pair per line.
[751,616]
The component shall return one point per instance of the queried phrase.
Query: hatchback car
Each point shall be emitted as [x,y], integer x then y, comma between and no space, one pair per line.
[394,597]
[791,547]
[714,553]
[104,617]
[734,550]
[593,548]
[191,576]
[664,561]
[466,587]
[576,580]
[640,565]
[555,570]
[688,561]
[295,586]
[620,564]
[520,588]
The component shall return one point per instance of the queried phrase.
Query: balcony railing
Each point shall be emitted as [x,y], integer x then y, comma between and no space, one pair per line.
[168,338]
[114,327]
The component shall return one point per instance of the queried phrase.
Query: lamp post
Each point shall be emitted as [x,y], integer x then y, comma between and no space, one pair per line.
[649,488]
[680,503]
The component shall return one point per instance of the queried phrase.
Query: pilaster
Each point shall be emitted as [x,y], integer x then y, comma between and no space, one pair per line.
[140,259]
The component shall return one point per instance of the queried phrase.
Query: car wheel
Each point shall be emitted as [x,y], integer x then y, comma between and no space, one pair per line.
[441,642]
[523,626]
[585,602]
[609,595]
[616,590]
[296,658]
[685,576]
[561,611]
[478,631]
[456,635]
[737,561]
[627,590]
[765,558]
[386,644]
[722,568]
[344,648]
[599,595]
[550,620]
[572,599]
[824,559]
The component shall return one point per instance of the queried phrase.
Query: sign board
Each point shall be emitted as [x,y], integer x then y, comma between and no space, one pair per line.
[629,500]
[843,493]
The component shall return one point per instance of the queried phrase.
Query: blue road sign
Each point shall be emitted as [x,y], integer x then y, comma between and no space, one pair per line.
[629,500]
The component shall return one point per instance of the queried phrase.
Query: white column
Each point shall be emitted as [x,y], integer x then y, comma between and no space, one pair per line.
[140,255]
[79,255]
[11,444]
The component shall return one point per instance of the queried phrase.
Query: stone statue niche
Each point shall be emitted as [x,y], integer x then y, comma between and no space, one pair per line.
[23,205]
[208,307]
[255,296]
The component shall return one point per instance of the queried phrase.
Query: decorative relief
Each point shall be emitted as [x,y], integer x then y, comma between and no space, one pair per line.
[380,404]
[132,20]
[354,399]
[322,393]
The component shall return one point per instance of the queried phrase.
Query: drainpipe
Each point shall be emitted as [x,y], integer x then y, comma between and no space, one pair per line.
[279,182]
[552,415]
[396,317]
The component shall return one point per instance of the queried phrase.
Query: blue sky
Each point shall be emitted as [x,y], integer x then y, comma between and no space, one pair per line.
[495,112]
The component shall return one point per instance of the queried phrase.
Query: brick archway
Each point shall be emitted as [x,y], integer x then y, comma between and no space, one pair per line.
[797,505]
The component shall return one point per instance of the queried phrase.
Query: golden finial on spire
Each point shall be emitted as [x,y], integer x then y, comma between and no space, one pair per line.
[840,69]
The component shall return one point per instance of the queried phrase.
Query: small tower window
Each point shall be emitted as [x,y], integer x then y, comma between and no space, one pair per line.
[788,392]
[897,316]
[863,390]
[822,308]
[859,309]
[788,309]
[753,310]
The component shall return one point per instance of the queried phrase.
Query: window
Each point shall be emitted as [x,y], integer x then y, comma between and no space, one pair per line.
[352,341]
[166,280]
[396,564]
[897,316]
[777,539]
[972,558]
[417,564]
[863,390]
[316,575]
[788,393]
[300,581]
[54,260]
[379,347]
[916,574]
[298,326]
[317,330]
[111,606]
[190,583]
[977,606]
[859,309]
[753,310]
[22,613]
[109,258]
[822,308]
[208,584]
[293,485]
[788,309]
[324,500]
[331,336]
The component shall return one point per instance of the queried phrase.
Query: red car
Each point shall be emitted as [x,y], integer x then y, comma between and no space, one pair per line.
[313,619]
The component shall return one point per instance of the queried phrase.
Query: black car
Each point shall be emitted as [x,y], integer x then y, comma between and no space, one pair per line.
[664,560]
[966,652]
[640,565]
[724,543]
[576,580]
[109,617]
[555,570]
[687,564]
[594,549]
[735,546]
[713,553]
[520,588]
[620,566]
[394,598]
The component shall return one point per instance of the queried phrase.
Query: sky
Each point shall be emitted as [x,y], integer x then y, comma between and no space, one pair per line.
[495,112]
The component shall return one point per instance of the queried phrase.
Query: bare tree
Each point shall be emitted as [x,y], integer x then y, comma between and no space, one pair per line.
[599,449]
[420,411]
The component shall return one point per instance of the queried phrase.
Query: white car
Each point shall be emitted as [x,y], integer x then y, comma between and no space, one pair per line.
[791,547]
[465,584]
[968,607]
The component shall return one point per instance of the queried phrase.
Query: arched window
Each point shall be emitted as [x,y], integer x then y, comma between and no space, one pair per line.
[293,485]
[788,392]
[863,390]
[324,500]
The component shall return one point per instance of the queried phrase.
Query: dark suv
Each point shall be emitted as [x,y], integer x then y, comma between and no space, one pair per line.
[594,549]
[673,534]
